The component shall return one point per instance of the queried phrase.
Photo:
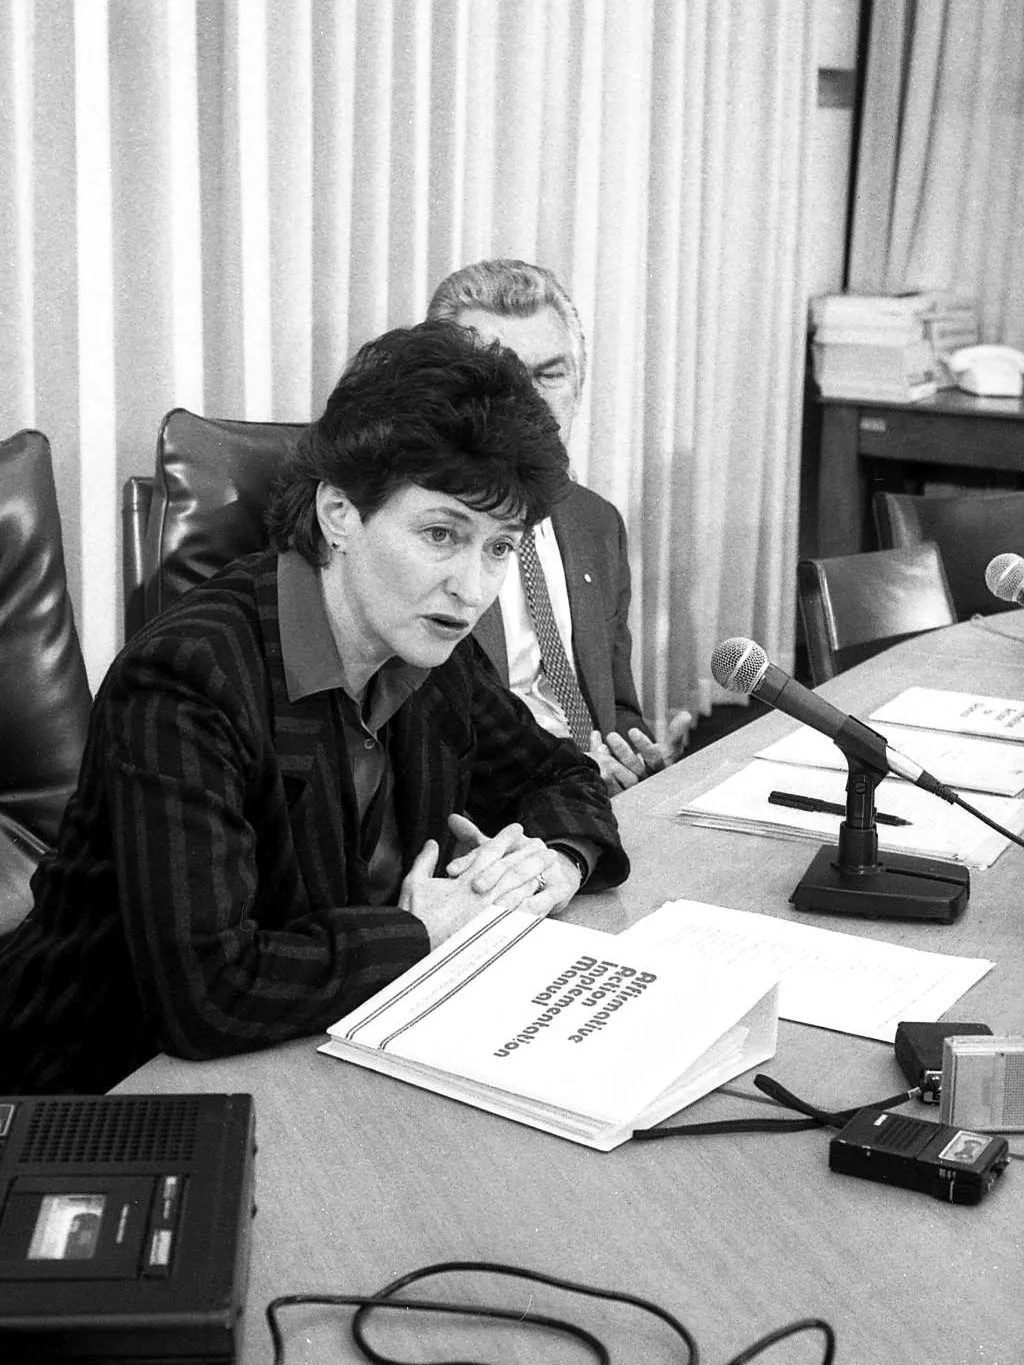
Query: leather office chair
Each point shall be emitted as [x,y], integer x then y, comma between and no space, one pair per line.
[202,508]
[854,606]
[970,529]
[44,712]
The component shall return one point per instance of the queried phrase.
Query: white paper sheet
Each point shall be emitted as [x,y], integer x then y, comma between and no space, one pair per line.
[963,713]
[828,979]
[966,762]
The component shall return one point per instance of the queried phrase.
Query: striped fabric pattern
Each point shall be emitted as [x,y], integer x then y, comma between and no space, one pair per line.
[207,895]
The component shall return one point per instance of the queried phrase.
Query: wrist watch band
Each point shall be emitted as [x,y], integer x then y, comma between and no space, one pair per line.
[574,856]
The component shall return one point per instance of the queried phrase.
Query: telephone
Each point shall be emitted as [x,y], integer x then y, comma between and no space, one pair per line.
[991,371]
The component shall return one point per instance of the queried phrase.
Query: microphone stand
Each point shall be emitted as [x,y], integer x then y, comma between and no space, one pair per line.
[851,879]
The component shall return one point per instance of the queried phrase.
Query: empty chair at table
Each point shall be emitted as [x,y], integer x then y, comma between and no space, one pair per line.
[854,606]
[970,529]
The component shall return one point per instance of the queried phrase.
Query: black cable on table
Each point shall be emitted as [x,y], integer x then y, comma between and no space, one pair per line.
[384,1298]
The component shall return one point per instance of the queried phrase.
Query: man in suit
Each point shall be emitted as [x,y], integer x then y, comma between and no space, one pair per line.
[279,763]
[587,692]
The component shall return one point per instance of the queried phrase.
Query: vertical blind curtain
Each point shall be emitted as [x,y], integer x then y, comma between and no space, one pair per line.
[940,184]
[214,202]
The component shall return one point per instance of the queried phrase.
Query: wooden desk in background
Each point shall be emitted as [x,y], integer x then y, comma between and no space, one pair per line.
[951,429]
[361,1178]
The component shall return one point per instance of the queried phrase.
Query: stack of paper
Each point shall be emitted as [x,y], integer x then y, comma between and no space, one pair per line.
[874,347]
[948,328]
[853,315]
[888,346]
[958,713]
[973,744]
[901,371]
[965,762]
[932,828]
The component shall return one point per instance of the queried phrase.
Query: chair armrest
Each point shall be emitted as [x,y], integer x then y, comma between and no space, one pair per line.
[20,852]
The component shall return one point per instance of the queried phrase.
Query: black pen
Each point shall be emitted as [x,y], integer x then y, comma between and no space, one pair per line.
[811,803]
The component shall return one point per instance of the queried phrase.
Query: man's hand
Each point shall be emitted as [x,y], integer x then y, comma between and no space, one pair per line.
[625,762]
[512,869]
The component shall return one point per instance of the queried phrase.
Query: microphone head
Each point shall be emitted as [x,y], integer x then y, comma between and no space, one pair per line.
[738,664]
[1004,577]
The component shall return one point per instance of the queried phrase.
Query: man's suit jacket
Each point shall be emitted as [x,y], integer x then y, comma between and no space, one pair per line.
[591,537]
[208,892]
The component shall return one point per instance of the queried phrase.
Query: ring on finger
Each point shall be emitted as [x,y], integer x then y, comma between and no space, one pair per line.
[542,883]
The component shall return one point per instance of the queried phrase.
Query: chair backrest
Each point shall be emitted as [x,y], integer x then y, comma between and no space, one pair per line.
[44,711]
[205,506]
[970,529]
[854,606]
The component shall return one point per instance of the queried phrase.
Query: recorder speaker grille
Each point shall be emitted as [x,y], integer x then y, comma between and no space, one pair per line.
[114,1129]
[898,1133]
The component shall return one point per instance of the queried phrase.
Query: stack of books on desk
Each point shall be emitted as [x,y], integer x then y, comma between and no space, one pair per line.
[886,348]
[948,327]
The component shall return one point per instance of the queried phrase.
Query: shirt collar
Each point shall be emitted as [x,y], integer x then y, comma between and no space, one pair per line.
[312,662]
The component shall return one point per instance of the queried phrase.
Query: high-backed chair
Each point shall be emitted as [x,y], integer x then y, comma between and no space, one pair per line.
[202,507]
[854,606]
[44,691]
[970,529]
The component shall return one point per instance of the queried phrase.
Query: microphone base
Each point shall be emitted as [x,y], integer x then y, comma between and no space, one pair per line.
[900,887]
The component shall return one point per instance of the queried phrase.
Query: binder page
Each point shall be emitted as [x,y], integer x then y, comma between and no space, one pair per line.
[967,762]
[827,979]
[963,713]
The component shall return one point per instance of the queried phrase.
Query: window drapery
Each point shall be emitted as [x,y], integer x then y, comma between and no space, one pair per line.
[212,203]
[940,185]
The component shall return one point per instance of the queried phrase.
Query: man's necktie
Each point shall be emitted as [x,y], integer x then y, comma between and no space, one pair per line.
[552,652]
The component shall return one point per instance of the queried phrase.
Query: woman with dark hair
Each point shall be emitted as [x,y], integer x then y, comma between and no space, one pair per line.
[281,762]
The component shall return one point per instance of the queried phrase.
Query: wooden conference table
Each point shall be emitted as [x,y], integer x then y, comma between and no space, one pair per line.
[361,1178]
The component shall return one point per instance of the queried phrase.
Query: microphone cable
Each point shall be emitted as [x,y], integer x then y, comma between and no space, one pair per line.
[953,798]
[366,1304]
[957,800]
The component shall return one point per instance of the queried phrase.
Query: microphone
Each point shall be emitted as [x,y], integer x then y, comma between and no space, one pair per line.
[851,878]
[1004,578]
[742,666]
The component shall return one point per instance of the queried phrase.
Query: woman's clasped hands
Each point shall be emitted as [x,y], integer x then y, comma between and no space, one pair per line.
[510,869]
